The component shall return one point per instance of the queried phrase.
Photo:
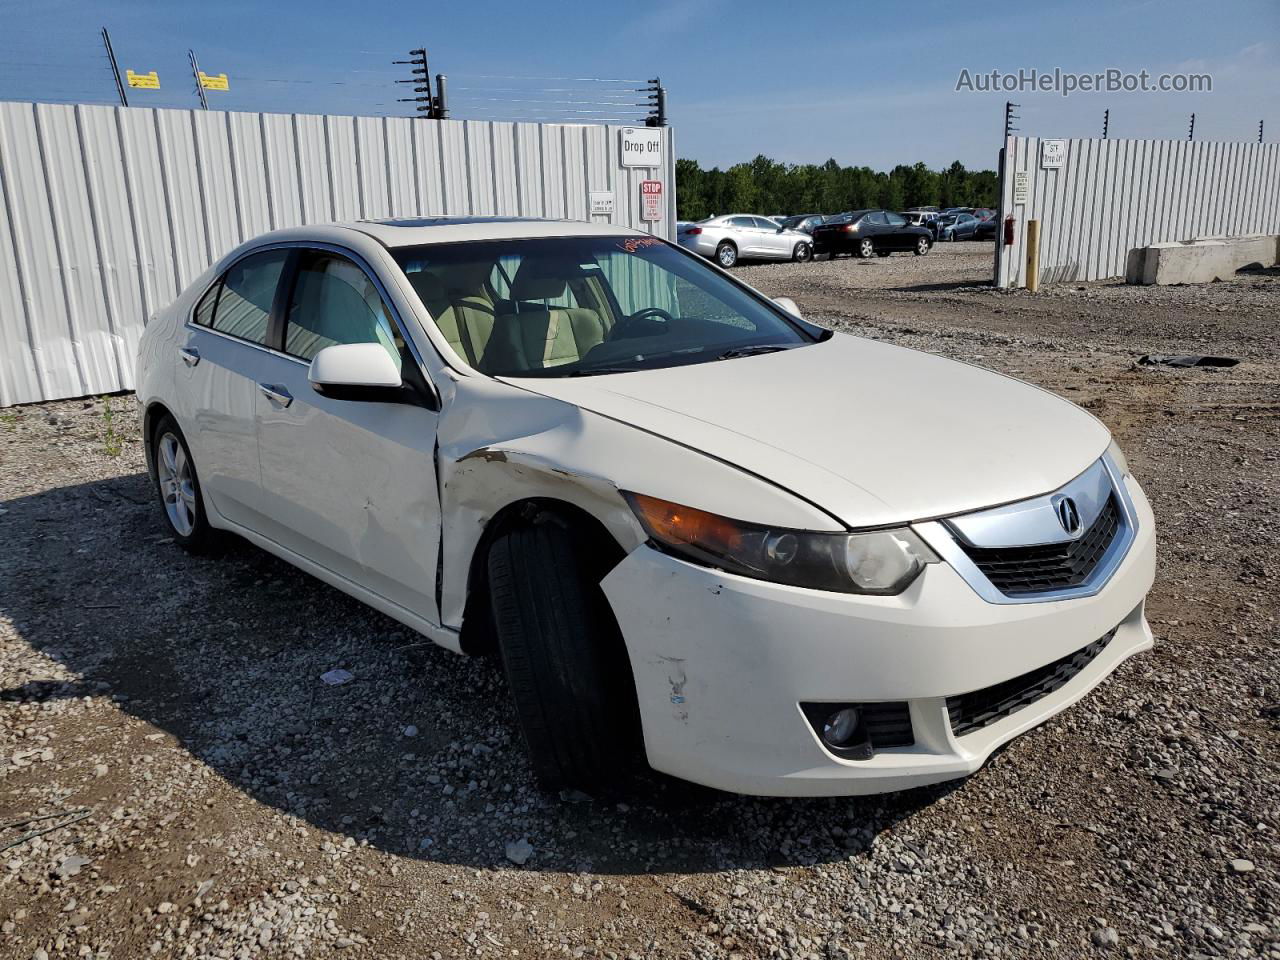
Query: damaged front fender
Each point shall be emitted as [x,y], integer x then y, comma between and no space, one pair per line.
[500,445]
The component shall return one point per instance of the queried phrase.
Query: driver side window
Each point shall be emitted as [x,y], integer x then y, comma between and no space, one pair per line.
[334,301]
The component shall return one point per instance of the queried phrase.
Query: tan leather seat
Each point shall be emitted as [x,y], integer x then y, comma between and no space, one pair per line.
[532,339]
[464,316]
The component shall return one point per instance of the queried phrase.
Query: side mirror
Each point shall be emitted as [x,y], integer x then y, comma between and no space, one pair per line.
[358,371]
[789,305]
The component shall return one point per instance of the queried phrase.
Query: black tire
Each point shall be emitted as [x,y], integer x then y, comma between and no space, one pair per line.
[201,537]
[922,246]
[865,248]
[726,254]
[564,658]
[802,253]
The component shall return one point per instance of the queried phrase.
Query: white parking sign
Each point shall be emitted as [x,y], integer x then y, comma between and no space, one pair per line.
[641,146]
[1052,154]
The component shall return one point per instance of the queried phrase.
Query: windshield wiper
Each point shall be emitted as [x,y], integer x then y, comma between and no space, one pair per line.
[736,352]
[593,371]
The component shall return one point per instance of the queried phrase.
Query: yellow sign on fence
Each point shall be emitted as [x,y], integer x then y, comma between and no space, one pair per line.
[143,81]
[214,81]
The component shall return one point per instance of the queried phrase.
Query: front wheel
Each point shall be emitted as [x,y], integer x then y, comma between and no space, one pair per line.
[866,248]
[802,253]
[564,657]
[726,254]
[922,246]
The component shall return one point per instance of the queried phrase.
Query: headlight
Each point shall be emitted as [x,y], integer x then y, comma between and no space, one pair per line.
[1117,458]
[883,562]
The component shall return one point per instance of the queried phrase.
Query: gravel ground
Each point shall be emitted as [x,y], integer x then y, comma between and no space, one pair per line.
[236,806]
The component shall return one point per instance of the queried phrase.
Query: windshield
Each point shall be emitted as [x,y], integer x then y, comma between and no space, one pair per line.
[577,306]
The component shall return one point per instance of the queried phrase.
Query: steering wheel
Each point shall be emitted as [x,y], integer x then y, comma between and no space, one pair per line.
[635,325]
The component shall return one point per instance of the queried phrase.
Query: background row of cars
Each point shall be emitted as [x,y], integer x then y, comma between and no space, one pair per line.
[728,238]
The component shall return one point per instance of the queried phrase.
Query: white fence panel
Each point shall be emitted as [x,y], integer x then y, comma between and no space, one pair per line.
[107,213]
[1110,196]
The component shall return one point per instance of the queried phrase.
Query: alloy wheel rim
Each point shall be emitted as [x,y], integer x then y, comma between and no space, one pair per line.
[867,248]
[726,256]
[177,485]
[922,244]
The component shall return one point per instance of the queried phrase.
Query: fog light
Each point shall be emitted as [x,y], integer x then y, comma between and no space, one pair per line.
[841,727]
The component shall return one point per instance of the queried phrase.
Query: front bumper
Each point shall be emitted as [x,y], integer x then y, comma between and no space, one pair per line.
[722,664]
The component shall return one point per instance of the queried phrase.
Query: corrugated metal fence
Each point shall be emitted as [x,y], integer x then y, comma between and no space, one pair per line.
[107,213]
[1110,196]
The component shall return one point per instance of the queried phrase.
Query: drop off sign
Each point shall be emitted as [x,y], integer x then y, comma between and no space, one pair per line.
[641,147]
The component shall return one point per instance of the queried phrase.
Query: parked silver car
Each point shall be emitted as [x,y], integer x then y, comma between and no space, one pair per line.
[734,236]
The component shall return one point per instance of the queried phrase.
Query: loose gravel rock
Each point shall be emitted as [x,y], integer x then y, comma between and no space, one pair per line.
[238,806]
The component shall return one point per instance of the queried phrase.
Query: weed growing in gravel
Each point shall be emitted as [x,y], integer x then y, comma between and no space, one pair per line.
[112,442]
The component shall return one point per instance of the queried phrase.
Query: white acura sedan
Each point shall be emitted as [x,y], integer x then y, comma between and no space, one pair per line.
[695,527]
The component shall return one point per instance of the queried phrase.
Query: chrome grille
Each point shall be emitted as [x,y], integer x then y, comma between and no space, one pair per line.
[1017,571]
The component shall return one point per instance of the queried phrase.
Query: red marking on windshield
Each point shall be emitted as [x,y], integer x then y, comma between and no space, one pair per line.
[632,244]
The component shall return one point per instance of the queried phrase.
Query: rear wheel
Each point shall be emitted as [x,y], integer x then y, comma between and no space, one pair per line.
[726,254]
[564,658]
[802,253]
[178,487]
[866,248]
[922,246]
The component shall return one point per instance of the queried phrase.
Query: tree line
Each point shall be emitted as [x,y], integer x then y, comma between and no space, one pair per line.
[768,187]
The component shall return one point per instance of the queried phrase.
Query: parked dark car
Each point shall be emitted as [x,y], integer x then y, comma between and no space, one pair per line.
[804,222]
[957,226]
[867,232]
[986,229]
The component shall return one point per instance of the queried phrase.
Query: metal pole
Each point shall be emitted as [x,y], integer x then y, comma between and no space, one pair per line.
[442,97]
[115,67]
[1033,255]
[195,72]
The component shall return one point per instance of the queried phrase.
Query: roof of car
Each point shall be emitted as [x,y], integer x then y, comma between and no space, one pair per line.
[411,231]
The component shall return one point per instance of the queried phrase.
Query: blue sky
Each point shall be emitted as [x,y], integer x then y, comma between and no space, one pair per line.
[866,83]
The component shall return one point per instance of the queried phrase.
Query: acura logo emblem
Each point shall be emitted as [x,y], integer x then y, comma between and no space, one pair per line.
[1068,515]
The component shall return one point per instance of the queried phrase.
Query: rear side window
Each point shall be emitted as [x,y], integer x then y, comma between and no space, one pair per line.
[334,301]
[895,220]
[204,309]
[876,218]
[240,305]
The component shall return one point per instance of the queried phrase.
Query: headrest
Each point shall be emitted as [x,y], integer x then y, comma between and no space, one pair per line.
[428,286]
[537,288]
[542,279]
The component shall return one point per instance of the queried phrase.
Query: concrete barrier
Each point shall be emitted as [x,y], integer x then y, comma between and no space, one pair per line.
[1200,261]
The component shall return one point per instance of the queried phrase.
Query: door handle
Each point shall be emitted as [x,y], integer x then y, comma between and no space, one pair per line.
[274,391]
[190,356]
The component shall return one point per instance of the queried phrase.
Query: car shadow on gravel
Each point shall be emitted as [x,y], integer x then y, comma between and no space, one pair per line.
[418,754]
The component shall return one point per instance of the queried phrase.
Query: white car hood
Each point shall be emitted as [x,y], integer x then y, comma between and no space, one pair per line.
[872,433]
